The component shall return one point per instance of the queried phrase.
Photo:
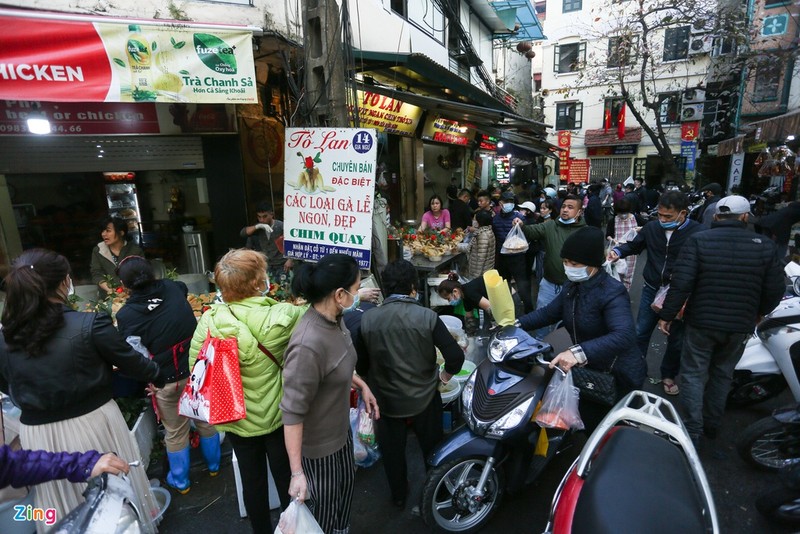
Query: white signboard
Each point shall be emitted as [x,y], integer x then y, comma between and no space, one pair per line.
[737,168]
[329,190]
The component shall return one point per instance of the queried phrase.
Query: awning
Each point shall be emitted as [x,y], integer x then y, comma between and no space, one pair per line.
[727,147]
[777,128]
[530,29]
[61,57]
[633,136]
[424,75]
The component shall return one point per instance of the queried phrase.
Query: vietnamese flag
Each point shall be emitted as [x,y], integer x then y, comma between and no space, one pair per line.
[607,121]
[621,122]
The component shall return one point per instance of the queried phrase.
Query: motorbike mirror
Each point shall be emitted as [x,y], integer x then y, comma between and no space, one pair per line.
[796,285]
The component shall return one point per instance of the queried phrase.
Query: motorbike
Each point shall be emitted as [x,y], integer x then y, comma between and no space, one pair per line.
[638,472]
[783,505]
[494,452]
[772,443]
[771,359]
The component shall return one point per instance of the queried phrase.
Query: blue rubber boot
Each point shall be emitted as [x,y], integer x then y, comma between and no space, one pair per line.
[211,452]
[178,476]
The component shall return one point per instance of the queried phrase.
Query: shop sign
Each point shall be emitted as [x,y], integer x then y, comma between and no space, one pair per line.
[579,171]
[689,151]
[329,187]
[487,143]
[617,150]
[690,130]
[80,60]
[446,131]
[112,118]
[737,167]
[387,114]
[755,148]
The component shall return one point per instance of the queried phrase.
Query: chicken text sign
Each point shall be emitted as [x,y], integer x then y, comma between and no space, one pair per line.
[329,188]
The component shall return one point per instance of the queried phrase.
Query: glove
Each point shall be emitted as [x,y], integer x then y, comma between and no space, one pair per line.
[267,228]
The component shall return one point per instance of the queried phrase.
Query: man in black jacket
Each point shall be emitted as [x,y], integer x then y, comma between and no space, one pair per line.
[663,240]
[731,278]
[460,212]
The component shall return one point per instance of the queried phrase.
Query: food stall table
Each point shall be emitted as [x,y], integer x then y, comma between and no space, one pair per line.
[424,266]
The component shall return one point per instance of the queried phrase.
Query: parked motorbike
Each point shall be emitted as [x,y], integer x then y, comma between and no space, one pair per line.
[771,359]
[109,508]
[638,472]
[494,452]
[772,443]
[783,505]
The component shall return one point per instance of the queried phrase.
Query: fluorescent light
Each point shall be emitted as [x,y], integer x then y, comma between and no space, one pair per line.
[39,126]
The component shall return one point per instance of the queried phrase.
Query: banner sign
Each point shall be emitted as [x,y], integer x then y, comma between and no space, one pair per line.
[614,150]
[689,151]
[117,61]
[737,167]
[690,130]
[329,189]
[579,171]
[112,118]
[564,143]
[386,114]
[446,131]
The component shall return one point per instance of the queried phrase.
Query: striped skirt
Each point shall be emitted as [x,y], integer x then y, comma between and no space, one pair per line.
[103,430]
[331,480]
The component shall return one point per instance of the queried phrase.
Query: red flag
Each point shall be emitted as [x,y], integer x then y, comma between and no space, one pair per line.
[621,122]
[607,121]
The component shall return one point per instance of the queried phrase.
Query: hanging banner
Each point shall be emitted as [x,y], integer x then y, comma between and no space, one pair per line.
[564,143]
[329,188]
[81,60]
[689,151]
[386,114]
[579,170]
[737,167]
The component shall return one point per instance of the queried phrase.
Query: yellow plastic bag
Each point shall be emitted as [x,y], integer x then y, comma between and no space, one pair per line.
[499,298]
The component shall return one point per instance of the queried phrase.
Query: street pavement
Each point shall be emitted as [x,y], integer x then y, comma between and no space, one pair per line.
[211,505]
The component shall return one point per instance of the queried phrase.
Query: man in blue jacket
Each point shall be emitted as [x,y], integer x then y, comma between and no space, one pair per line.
[728,277]
[511,265]
[663,240]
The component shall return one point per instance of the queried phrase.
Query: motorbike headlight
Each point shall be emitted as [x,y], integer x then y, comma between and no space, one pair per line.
[499,347]
[510,420]
[466,395]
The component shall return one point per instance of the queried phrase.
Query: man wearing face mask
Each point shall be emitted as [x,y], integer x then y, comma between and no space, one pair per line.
[511,266]
[551,235]
[596,311]
[399,339]
[663,240]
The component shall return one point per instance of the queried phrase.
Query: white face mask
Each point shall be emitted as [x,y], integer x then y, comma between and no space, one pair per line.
[577,274]
[70,287]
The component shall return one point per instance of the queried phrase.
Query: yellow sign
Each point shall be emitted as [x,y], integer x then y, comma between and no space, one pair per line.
[386,114]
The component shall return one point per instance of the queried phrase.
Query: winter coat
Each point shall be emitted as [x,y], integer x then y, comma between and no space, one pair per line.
[163,318]
[460,214]
[730,277]
[271,323]
[552,233]
[593,213]
[502,224]
[27,468]
[661,254]
[597,315]
[481,251]
[72,375]
[102,263]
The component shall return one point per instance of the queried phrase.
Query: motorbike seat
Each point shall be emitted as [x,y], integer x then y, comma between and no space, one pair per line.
[639,482]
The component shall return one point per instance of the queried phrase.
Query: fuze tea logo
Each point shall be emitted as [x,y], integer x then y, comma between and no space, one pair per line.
[215,53]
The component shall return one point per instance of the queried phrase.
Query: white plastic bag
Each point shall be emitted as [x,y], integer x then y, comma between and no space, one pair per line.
[630,235]
[297,519]
[365,454]
[138,346]
[560,404]
[515,242]
[612,270]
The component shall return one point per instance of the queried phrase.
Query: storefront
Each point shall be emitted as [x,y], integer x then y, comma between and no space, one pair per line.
[612,157]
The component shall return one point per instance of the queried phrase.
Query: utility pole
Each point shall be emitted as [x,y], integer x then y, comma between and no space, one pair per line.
[325,96]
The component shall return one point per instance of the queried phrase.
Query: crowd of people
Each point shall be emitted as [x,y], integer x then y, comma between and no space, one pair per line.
[710,280]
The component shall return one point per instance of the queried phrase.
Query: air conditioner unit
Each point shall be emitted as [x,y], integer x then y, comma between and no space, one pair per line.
[694,95]
[692,112]
[700,44]
[700,26]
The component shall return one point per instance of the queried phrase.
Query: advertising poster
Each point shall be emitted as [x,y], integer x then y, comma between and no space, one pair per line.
[78,60]
[387,114]
[329,188]
[579,171]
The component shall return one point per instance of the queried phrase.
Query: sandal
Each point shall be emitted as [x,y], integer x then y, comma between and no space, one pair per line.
[670,387]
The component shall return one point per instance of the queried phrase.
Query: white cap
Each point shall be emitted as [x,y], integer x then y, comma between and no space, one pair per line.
[733,204]
[550,192]
[528,205]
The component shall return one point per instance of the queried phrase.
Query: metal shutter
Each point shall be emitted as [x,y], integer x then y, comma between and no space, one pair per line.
[615,169]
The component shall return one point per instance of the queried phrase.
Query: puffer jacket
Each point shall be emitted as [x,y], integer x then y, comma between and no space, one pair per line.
[102,263]
[730,277]
[271,323]
[502,224]
[72,376]
[480,251]
[26,468]
[552,233]
[597,315]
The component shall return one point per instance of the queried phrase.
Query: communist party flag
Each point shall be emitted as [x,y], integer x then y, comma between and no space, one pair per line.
[621,122]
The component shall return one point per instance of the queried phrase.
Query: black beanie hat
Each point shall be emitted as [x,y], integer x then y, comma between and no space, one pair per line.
[586,246]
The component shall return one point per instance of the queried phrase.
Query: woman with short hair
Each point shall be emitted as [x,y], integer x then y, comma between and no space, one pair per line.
[108,253]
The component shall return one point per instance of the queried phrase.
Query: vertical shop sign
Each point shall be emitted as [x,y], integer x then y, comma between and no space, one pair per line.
[737,166]
[329,190]
[689,151]
[564,143]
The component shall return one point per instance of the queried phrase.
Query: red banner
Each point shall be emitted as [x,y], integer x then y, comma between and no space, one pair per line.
[579,171]
[564,139]
[690,130]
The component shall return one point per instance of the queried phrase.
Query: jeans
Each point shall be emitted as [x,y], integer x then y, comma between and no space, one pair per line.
[548,291]
[709,358]
[515,266]
[646,322]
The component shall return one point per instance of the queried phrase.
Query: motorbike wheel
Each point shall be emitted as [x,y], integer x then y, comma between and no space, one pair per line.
[447,504]
[782,506]
[770,445]
[747,391]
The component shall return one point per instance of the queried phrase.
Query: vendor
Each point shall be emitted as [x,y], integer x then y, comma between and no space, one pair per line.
[108,253]
[263,237]
[436,218]
[472,294]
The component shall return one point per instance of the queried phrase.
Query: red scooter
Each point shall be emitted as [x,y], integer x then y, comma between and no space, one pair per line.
[638,472]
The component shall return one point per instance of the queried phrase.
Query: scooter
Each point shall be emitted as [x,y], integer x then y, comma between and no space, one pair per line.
[494,452]
[638,472]
[772,443]
[771,359]
[783,505]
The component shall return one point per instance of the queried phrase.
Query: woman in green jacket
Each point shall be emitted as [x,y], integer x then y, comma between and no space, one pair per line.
[253,318]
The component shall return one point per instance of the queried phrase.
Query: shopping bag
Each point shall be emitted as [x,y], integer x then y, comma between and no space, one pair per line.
[515,242]
[560,404]
[297,519]
[661,296]
[612,270]
[365,451]
[213,392]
